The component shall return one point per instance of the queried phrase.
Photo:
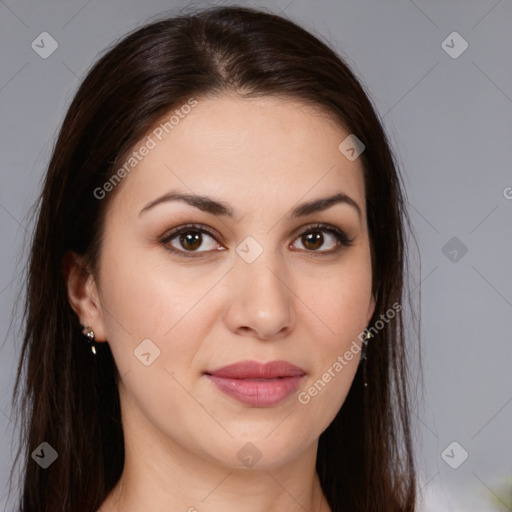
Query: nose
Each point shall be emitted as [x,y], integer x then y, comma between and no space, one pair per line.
[260,302]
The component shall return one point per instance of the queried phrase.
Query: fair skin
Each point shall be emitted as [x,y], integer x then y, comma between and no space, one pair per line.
[298,301]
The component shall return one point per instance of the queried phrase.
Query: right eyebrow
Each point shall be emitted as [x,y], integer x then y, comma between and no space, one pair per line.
[204,203]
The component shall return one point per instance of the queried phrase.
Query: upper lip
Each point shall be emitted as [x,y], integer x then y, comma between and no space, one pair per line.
[256,370]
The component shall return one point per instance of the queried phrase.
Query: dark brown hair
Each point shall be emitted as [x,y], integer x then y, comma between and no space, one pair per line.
[69,398]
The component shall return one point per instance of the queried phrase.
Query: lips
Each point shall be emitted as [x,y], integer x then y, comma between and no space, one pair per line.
[257,384]
[255,370]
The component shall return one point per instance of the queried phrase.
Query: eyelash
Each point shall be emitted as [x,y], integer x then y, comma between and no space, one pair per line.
[341,237]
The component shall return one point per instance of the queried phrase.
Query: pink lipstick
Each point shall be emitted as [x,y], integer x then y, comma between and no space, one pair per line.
[257,384]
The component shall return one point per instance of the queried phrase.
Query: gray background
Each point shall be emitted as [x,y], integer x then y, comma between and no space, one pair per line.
[449,120]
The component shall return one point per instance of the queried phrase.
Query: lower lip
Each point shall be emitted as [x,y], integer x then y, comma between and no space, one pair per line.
[258,393]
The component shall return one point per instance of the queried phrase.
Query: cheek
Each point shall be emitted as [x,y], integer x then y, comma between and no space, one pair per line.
[339,306]
[340,297]
[144,300]
[142,289]
[148,296]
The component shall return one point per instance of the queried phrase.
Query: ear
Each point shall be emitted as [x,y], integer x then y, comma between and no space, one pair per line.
[83,294]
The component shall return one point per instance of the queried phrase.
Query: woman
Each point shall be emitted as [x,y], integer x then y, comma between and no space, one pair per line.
[213,315]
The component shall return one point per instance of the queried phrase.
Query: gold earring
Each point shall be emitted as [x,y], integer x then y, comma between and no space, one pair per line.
[87,331]
[364,347]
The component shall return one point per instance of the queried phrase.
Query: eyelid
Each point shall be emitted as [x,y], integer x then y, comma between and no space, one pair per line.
[322,226]
[189,226]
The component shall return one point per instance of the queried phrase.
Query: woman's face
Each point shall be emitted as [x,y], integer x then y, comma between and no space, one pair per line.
[259,284]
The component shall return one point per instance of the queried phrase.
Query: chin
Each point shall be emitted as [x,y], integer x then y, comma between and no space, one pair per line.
[260,452]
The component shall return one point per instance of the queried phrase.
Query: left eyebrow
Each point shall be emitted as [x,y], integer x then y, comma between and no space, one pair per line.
[209,205]
[322,204]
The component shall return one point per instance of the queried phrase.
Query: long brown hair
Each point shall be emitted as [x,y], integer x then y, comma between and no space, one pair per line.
[69,398]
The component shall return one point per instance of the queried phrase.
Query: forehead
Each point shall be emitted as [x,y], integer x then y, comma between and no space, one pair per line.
[266,152]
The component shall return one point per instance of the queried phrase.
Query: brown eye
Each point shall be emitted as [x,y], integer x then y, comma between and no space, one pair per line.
[320,235]
[313,240]
[187,240]
[191,240]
